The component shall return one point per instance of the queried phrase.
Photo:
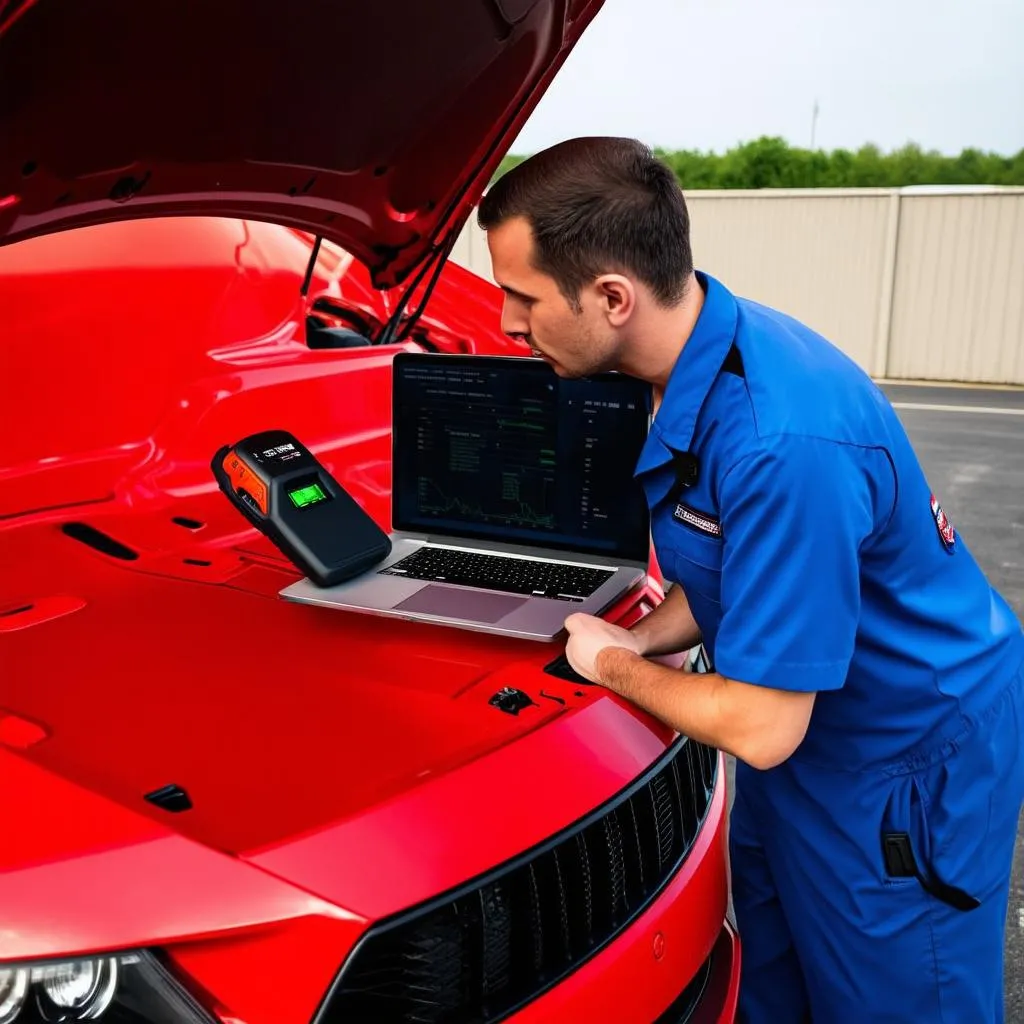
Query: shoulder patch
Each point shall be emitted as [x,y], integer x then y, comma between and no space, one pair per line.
[698,520]
[946,532]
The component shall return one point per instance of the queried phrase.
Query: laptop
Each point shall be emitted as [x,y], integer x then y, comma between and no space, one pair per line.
[513,497]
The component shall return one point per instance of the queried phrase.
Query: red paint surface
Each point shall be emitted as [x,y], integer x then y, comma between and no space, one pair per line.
[341,767]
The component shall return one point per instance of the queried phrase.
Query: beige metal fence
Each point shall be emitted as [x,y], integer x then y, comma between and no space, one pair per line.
[912,283]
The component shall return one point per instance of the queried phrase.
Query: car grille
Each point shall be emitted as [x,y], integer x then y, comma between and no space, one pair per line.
[478,954]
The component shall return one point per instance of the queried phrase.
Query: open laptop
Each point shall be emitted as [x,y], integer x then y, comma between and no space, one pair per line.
[513,497]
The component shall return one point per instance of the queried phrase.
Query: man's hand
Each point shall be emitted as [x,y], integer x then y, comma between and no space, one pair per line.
[588,636]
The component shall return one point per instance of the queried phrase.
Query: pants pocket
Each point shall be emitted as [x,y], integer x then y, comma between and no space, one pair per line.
[904,820]
[951,826]
[908,842]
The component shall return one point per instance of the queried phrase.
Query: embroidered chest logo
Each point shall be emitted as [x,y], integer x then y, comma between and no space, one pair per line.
[944,526]
[698,520]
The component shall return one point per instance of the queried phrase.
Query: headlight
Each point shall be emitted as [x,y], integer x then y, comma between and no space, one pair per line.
[13,993]
[129,988]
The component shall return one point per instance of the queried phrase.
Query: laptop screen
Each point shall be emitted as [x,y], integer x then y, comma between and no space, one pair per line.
[501,448]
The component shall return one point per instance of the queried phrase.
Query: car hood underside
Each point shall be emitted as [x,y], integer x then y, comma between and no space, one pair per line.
[375,124]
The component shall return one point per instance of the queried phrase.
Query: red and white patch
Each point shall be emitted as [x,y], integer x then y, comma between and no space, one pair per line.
[944,526]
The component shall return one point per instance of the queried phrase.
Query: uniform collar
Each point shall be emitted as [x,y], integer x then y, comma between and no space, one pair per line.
[692,375]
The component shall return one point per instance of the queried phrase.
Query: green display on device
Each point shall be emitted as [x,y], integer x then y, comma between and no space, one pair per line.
[309,495]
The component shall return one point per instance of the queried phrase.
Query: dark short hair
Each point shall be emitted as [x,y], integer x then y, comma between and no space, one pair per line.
[595,206]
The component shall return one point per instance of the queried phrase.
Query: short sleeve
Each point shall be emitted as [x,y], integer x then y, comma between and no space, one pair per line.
[794,517]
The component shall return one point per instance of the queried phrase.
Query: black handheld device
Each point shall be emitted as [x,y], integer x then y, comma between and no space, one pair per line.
[281,488]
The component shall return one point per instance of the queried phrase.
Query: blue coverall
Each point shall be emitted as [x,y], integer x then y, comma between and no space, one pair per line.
[871,868]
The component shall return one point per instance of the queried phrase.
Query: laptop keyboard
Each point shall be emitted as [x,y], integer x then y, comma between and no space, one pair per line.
[500,572]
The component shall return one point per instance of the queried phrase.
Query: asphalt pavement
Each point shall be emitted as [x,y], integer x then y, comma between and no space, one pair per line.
[971,444]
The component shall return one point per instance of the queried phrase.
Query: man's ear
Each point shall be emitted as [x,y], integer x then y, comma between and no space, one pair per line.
[616,296]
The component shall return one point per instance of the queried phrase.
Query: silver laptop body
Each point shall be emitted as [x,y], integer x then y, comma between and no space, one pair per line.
[508,474]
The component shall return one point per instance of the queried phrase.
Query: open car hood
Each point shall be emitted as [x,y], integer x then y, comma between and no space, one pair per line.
[376,124]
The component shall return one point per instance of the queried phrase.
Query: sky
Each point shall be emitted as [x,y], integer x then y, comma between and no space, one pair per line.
[708,74]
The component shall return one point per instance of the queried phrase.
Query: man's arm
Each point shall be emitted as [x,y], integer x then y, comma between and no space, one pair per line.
[669,628]
[760,725]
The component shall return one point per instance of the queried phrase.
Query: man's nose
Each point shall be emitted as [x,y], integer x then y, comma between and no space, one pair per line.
[513,323]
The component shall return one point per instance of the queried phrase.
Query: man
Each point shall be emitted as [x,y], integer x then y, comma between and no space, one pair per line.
[865,675]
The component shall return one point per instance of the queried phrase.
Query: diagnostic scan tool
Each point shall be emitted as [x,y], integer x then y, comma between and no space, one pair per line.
[280,487]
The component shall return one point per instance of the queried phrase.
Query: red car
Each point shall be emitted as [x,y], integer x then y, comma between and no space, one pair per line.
[220,807]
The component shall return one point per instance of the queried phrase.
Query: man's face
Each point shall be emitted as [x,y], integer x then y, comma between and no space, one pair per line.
[575,343]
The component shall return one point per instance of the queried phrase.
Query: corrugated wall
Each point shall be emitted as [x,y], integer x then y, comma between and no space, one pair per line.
[958,300]
[817,259]
[911,286]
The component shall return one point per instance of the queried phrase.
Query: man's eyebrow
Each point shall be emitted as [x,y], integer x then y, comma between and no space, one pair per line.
[516,293]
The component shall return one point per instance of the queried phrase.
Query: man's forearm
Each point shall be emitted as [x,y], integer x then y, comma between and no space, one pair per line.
[757,725]
[670,628]
[658,690]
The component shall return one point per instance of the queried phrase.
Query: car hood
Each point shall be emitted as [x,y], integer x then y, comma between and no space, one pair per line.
[323,747]
[142,640]
[274,719]
[375,124]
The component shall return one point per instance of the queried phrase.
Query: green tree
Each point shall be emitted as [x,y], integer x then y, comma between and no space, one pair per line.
[770,162]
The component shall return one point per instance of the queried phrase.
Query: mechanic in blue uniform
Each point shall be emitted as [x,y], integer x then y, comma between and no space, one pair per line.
[864,672]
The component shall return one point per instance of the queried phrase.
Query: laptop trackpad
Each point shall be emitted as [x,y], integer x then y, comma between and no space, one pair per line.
[473,606]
